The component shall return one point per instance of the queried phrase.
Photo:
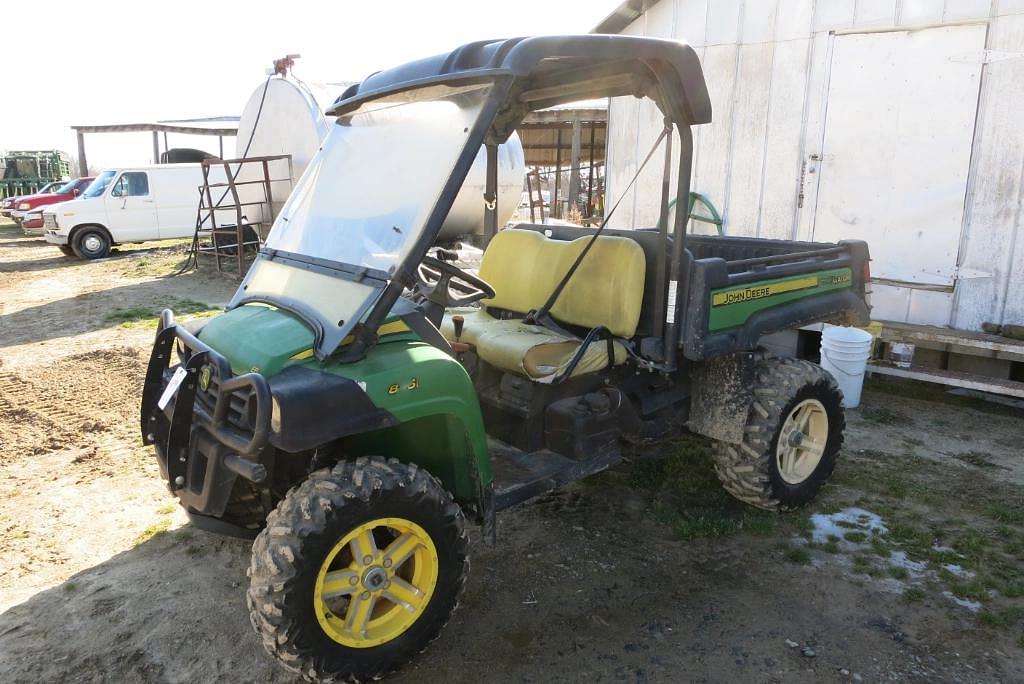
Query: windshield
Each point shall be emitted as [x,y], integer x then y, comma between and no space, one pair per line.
[361,204]
[365,197]
[66,188]
[97,187]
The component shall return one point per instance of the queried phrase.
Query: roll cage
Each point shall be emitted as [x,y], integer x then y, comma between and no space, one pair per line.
[528,74]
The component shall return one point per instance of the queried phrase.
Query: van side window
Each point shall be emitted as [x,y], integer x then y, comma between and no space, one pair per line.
[131,184]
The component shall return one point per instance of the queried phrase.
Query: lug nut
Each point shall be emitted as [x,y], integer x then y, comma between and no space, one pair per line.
[180,481]
[367,560]
[387,562]
[354,580]
[365,596]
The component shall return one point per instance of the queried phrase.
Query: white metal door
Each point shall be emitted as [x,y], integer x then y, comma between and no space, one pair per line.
[897,147]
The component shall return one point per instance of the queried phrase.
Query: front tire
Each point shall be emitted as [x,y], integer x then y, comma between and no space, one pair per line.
[357,570]
[791,440]
[91,243]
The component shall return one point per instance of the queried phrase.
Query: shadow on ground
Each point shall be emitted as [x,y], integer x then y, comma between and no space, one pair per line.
[580,587]
[99,309]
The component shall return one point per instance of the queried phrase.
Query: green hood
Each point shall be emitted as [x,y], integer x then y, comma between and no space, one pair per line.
[258,338]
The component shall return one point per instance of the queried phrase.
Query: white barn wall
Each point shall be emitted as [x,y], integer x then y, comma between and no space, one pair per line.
[767,67]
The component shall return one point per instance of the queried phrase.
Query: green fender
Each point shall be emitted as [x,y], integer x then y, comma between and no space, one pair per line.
[440,425]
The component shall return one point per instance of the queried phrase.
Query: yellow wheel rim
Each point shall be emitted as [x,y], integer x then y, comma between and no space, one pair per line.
[802,441]
[375,582]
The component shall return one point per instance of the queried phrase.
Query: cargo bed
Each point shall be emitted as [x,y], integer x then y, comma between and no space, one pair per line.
[741,289]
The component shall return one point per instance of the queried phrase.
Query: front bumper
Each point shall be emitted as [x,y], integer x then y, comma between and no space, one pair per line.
[205,437]
[55,238]
[33,225]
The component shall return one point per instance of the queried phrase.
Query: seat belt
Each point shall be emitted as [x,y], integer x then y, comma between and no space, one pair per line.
[540,316]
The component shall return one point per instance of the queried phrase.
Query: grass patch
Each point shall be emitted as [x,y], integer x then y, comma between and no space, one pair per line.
[898,572]
[1006,513]
[798,555]
[157,529]
[882,416]
[880,547]
[141,316]
[131,315]
[855,537]
[167,509]
[1007,617]
[914,594]
[69,587]
[863,565]
[690,499]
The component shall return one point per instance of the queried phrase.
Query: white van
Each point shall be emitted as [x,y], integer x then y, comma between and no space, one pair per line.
[134,204]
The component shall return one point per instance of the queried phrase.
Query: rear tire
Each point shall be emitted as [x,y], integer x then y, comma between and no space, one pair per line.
[299,598]
[787,392]
[91,243]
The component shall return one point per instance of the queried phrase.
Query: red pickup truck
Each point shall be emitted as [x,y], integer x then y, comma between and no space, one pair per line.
[8,204]
[28,212]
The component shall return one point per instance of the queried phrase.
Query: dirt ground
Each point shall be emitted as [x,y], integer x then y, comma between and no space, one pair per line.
[909,567]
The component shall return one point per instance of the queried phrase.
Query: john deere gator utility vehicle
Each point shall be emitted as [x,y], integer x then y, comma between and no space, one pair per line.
[361,398]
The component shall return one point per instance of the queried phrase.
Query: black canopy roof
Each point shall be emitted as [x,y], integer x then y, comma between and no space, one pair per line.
[553,70]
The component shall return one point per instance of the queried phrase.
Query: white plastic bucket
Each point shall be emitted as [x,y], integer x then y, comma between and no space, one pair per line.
[844,354]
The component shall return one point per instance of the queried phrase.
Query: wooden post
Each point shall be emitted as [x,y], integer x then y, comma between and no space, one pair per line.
[554,212]
[590,178]
[574,172]
[156,147]
[83,165]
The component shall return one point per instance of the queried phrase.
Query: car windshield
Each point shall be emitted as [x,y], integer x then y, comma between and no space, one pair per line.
[97,187]
[361,204]
[66,188]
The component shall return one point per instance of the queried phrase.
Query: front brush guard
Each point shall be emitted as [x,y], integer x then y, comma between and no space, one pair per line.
[172,428]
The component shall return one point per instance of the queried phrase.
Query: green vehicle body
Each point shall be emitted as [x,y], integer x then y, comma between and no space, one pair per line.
[440,425]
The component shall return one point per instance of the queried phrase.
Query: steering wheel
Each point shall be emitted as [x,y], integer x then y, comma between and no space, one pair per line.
[438,282]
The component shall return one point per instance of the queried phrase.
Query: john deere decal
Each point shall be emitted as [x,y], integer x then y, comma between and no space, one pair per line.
[761,291]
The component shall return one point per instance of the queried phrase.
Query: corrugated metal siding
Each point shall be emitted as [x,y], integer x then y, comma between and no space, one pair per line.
[767,68]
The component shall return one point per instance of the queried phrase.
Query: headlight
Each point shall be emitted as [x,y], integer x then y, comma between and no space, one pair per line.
[24,205]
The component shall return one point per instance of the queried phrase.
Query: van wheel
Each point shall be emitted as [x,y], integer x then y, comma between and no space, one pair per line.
[791,440]
[91,243]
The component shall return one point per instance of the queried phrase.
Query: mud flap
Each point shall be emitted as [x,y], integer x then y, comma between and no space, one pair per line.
[721,395]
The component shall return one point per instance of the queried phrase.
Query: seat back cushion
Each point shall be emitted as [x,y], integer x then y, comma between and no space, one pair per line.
[525,267]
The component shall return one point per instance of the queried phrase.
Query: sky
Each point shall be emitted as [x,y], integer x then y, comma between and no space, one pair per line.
[123,62]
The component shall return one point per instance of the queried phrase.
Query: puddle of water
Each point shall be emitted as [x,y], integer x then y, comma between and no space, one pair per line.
[847,520]
[958,571]
[972,606]
[914,568]
[859,520]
